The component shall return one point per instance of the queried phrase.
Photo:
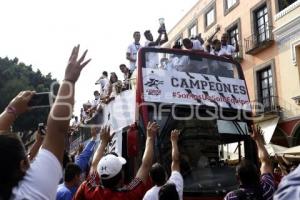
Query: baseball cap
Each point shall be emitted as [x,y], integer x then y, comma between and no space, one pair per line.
[109,166]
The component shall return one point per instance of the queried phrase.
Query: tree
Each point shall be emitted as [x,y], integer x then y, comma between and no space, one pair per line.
[16,76]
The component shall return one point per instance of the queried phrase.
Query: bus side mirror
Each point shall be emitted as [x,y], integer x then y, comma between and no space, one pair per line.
[132,141]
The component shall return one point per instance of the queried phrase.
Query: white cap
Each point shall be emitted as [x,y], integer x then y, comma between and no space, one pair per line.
[109,166]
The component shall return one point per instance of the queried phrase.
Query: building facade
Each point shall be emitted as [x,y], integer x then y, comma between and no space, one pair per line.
[268,34]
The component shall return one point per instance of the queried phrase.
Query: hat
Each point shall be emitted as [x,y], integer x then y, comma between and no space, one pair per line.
[109,166]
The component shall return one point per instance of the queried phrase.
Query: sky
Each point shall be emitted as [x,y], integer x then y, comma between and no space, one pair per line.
[42,33]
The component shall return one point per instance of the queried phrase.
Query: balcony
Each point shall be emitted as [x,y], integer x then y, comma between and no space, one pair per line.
[259,41]
[286,7]
[267,107]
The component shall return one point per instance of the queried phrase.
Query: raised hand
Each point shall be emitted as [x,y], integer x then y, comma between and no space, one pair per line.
[75,66]
[105,136]
[39,137]
[174,135]
[257,134]
[152,129]
[20,102]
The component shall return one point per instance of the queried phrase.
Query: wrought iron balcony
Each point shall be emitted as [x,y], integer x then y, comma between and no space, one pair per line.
[268,105]
[259,41]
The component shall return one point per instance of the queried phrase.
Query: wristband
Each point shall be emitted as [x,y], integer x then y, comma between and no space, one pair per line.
[11,110]
[69,81]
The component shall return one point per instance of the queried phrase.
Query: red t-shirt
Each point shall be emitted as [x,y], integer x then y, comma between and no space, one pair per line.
[90,189]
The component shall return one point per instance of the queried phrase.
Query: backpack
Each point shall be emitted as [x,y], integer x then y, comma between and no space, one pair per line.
[248,195]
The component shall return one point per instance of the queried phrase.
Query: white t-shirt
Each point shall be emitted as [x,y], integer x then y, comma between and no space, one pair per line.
[74,123]
[103,84]
[223,52]
[226,50]
[175,178]
[41,179]
[197,45]
[178,63]
[95,102]
[152,60]
[133,50]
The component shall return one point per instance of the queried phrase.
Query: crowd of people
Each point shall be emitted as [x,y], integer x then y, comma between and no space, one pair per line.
[112,85]
[46,171]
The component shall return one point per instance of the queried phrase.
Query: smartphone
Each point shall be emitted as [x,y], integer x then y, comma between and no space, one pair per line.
[40,100]
[42,128]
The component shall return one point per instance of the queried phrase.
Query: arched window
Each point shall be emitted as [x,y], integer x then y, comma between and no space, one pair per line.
[279,138]
[296,137]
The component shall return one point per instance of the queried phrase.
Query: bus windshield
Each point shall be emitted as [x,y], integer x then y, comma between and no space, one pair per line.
[192,78]
[191,63]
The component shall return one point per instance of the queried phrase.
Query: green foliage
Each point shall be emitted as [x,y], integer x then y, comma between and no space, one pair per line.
[16,76]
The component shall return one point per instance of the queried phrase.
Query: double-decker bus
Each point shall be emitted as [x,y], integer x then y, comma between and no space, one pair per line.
[202,95]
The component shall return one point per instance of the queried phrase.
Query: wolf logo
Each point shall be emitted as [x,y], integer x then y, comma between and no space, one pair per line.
[153,82]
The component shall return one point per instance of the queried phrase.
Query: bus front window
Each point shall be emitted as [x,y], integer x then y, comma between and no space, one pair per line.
[190,63]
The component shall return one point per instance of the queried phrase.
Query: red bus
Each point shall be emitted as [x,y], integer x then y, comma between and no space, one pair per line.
[202,95]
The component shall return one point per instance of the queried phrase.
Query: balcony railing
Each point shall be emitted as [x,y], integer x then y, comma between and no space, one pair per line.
[259,41]
[268,105]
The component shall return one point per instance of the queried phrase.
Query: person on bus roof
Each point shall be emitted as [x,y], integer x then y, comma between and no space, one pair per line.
[216,47]
[192,44]
[251,185]
[152,60]
[177,45]
[107,171]
[158,42]
[132,50]
[114,87]
[126,72]
[227,49]
[223,69]
[158,173]
[103,81]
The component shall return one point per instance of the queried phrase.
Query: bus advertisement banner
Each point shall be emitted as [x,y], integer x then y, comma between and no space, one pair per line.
[185,88]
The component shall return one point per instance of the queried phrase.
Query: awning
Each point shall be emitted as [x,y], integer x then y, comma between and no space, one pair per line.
[273,149]
[292,151]
[268,128]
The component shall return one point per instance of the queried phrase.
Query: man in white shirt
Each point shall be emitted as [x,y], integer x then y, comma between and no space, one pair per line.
[132,51]
[178,63]
[223,69]
[227,49]
[157,172]
[159,41]
[96,100]
[192,44]
[20,179]
[216,48]
[103,81]
[152,59]
[127,75]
